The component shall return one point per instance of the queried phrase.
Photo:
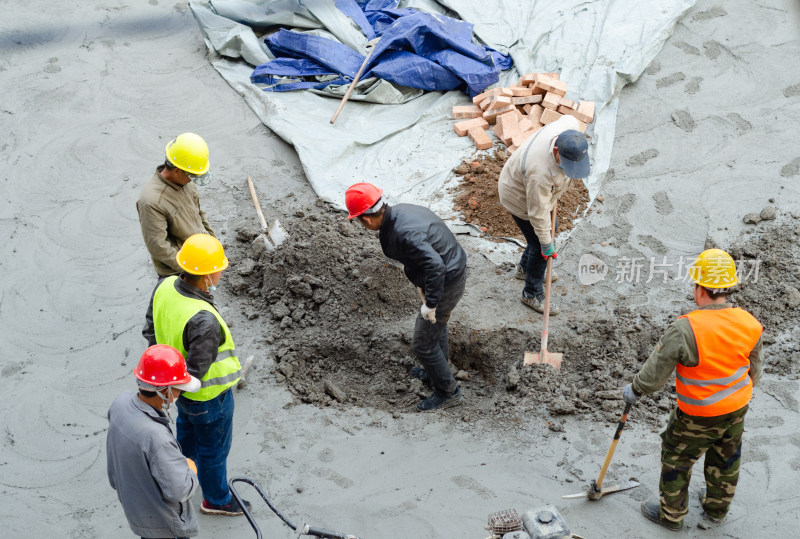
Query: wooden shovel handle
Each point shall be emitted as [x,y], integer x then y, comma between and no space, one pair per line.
[352,85]
[613,446]
[256,204]
[548,283]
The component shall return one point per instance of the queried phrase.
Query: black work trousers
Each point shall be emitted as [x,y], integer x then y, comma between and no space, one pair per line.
[430,344]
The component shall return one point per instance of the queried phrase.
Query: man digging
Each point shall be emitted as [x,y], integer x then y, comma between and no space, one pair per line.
[435,263]
[717,355]
[532,180]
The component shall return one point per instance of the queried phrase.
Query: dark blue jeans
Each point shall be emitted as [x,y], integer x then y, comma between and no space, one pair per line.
[204,430]
[430,340]
[532,261]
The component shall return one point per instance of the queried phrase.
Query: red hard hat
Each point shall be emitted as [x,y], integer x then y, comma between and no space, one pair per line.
[162,365]
[360,197]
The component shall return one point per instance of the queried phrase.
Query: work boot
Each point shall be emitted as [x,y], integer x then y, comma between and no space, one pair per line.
[702,495]
[521,274]
[537,304]
[652,511]
[422,375]
[231,509]
[440,400]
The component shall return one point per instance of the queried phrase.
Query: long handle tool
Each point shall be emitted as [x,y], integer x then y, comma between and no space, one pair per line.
[596,490]
[371,46]
[552,358]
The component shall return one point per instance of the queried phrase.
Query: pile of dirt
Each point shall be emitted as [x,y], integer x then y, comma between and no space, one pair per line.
[768,260]
[338,320]
[476,197]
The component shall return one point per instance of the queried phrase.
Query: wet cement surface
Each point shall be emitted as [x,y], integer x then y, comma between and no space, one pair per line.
[91,97]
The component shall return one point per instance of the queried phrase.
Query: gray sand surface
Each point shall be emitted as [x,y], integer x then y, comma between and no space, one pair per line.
[92,92]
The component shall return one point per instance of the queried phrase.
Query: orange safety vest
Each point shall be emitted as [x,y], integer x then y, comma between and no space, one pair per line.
[720,383]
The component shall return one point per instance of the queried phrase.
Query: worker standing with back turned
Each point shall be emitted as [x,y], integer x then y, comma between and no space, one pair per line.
[182,314]
[717,355]
[169,204]
[532,180]
[153,480]
[435,263]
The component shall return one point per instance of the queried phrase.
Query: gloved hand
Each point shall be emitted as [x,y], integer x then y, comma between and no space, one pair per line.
[428,313]
[549,249]
[192,465]
[628,395]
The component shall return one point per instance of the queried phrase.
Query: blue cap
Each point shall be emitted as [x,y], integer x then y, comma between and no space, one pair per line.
[574,153]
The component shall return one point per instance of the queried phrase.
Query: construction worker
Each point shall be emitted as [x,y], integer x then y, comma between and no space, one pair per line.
[532,180]
[182,314]
[153,480]
[436,264]
[169,204]
[716,353]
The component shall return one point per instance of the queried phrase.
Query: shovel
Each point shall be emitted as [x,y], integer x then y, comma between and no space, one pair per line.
[370,47]
[273,235]
[596,490]
[551,358]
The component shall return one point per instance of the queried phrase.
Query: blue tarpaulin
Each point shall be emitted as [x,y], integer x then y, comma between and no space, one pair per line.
[416,49]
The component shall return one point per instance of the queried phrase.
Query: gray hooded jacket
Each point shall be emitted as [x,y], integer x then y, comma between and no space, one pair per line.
[146,468]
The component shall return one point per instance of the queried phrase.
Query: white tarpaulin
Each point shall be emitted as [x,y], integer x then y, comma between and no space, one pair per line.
[401,138]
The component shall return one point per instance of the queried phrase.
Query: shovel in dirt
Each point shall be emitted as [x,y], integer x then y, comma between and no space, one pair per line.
[273,235]
[551,358]
[596,490]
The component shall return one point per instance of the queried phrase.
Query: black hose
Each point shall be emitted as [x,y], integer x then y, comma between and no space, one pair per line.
[317,532]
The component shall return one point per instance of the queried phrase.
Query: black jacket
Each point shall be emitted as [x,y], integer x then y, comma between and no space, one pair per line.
[430,254]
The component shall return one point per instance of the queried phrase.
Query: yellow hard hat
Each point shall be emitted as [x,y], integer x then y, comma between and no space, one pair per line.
[189,152]
[202,254]
[714,268]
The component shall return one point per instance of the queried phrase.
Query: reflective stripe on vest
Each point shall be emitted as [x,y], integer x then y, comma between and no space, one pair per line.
[720,383]
[171,312]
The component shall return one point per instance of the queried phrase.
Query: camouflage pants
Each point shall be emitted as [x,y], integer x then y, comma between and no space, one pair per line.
[684,441]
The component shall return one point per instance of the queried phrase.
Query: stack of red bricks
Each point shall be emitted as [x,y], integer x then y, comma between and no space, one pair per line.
[518,112]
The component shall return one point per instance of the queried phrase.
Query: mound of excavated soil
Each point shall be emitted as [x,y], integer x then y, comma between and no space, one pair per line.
[338,319]
[476,197]
[770,290]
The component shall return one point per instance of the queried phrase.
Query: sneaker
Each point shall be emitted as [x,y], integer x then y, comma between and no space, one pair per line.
[652,512]
[702,495]
[537,304]
[440,400]
[521,274]
[231,509]
[422,375]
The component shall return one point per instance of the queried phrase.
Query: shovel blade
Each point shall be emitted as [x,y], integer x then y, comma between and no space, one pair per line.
[550,358]
[277,233]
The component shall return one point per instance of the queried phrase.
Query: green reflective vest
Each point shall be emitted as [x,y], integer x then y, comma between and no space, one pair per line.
[171,312]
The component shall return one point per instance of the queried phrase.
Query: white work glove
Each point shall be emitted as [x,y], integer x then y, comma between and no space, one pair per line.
[628,394]
[428,313]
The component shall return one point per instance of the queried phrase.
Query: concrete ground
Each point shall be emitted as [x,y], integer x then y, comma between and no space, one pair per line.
[91,95]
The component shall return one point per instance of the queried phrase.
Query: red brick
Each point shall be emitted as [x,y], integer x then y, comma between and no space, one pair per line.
[550,84]
[529,99]
[512,149]
[551,100]
[567,103]
[521,91]
[581,126]
[520,115]
[528,79]
[522,136]
[535,114]
[525,125]
[466,112]
[492,114]
[479,138]
[490,93]
[461,128]
[506,123]
[499,102]
[549,115]
[586,109]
